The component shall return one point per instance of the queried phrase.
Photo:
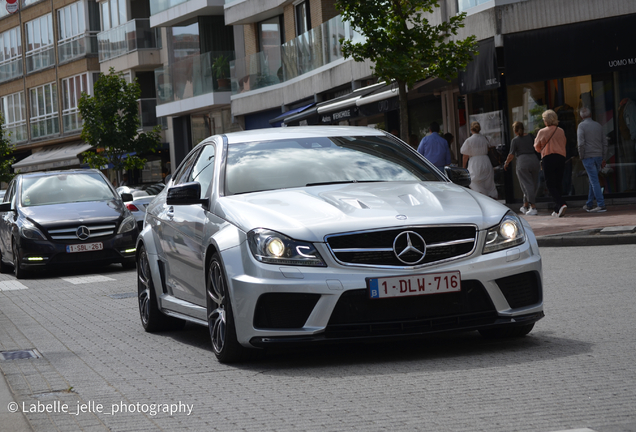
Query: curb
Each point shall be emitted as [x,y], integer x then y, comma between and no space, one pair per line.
[592,237]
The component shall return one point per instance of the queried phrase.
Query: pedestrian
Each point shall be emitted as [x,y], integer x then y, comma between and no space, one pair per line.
[475,151]
[435,148]
[592,149]
[449,139]
[551,141]
[528,166]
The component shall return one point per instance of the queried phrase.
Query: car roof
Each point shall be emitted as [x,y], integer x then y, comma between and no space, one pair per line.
[295,132]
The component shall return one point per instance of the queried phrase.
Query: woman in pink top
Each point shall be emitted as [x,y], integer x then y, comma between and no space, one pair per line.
[550,141]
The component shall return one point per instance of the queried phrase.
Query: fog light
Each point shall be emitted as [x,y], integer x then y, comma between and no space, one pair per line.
[130,250]
[35,259]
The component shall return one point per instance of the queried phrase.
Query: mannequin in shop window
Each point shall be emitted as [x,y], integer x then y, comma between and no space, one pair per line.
[626,149]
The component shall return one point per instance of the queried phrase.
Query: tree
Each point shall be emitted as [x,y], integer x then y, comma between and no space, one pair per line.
[111,121]
[404,45]
[6,155]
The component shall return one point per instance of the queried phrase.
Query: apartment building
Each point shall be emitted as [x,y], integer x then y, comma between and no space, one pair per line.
[48,58]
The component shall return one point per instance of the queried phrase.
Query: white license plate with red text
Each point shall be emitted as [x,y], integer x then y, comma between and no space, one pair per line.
[85,247]
[404,286]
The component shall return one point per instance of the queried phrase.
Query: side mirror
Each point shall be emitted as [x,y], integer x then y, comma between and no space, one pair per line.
[185,194]
[458,175]
[167,179]
[125,197]
[5,207]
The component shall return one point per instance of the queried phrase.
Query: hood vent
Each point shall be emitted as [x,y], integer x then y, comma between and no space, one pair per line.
[355,203]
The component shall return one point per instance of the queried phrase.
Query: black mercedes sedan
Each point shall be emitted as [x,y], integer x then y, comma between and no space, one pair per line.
[64,218]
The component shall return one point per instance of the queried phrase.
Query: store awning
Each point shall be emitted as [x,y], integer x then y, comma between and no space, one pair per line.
[593,47]
[481,73]
[53,157]
[382,100]
[289,113]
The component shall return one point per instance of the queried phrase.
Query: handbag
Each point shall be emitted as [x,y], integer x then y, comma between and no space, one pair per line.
[494,156]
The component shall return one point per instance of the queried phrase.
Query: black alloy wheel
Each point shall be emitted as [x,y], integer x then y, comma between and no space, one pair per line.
[152,319]
[220,317]
[19,272]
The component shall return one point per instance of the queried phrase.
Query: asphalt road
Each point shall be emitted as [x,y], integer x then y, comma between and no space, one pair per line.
[575,370]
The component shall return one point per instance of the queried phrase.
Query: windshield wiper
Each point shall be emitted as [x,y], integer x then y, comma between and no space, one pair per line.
[342,182]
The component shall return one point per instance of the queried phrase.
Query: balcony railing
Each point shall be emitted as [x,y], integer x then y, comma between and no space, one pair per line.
[77,46]
[189,77]
[307,52]
[49,125]
[157,6]
[11,69]
[147,113]
[16,133]
[40,58]
[71,120]
[467,4]
[133,35]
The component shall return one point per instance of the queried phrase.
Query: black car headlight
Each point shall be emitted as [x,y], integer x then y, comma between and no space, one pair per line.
[128,224]
[30,231]
[507,234]
[274,248]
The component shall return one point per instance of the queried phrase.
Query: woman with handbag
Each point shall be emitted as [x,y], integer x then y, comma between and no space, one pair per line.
[528,167]
[550,141]
[475,151]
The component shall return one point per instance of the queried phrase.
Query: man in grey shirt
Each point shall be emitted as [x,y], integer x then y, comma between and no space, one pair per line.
[592,149]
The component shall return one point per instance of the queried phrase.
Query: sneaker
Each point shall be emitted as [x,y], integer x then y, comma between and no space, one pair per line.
[586,208]
[555,214]
[562,210]
[598,210]
[532,212]
[524,210]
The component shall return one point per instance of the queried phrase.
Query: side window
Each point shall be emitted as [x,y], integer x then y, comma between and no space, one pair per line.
[8,196]
[203,170]
[184,173]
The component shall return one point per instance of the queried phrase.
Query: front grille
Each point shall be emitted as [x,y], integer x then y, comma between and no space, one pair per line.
[375,248]
[284,310]
[70,232]
[356,314]
[521,290]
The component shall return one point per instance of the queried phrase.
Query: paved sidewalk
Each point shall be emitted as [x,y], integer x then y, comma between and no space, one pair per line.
[580,228]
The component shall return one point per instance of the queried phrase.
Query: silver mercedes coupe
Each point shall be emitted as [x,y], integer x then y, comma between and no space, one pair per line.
[304,235]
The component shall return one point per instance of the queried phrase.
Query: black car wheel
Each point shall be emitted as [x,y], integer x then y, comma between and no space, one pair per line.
[19,272]
[504,332]
[152,319]
[4,267]
[220,317]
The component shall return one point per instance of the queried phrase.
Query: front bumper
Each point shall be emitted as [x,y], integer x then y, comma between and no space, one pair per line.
[283,305]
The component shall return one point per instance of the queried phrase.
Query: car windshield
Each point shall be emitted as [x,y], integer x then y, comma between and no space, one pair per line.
[280,164]
[64,188]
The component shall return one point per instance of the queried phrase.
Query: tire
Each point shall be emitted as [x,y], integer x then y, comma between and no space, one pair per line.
[152,319]
[19,272]
[507,332]
[4,267]
[225,345]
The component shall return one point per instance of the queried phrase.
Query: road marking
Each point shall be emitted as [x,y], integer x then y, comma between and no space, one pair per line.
[87,279]
[11,285]
[577,430]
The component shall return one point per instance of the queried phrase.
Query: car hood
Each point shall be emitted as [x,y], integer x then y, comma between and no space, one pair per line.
[314,212]
[68,213]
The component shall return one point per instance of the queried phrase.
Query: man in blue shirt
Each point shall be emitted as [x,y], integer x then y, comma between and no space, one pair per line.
[435,148]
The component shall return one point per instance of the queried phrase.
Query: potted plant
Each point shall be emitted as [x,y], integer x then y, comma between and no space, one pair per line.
[221,70]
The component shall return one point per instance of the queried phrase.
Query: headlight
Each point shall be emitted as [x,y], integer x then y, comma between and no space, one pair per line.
[274,248]
[29,231]
[507,234]
[128,224]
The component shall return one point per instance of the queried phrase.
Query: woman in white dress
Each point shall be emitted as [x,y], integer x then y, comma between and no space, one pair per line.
[475,151]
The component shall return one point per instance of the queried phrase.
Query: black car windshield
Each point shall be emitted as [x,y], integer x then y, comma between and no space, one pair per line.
[64,188]
[280,164]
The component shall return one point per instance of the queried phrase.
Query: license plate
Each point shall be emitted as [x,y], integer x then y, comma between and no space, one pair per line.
[84,247]
[404,286]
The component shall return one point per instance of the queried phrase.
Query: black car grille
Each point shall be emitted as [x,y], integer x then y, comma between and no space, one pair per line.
[521,290]
[70,232]
[375,248]
[357,315]
[284,310]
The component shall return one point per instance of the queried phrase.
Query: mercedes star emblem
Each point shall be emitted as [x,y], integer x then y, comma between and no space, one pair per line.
[83,232]
[409,247]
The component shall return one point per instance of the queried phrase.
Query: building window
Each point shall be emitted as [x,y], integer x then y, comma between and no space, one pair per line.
[14,114]
[271,34]
[114,13]
[40,51]
[303,18]
[72,39]
[72,89]
[44,111]
[10,54]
